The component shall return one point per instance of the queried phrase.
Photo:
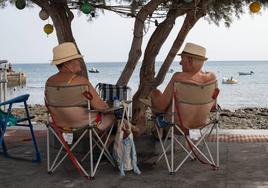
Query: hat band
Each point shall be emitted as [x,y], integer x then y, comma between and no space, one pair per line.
[65,57]
[194,55]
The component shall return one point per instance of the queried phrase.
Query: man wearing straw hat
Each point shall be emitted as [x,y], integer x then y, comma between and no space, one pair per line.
[193,57]
[67,59]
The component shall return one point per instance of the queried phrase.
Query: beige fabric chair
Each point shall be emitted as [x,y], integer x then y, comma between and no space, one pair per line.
[67,97]
[190,102]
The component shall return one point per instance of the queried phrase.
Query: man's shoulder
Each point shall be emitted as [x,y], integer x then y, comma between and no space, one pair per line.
[210,76]
[178,75]
[50,79]
[81,79]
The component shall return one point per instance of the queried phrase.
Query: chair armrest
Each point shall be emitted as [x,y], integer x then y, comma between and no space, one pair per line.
[19,99]
[215,108]
[107,110]
[148,103]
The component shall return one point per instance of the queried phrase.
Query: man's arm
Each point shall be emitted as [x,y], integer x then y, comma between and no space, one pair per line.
[96,101]
[160,100]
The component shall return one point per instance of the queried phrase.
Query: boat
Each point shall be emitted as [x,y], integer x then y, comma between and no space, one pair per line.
[229,81]
[246,73]
[13,78]
[170,71]
[93,70]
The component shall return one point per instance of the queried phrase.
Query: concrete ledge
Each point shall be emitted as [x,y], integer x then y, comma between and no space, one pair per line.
[244,131]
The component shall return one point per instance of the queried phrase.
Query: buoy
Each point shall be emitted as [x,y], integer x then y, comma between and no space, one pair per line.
[255,7]
[43,14]
[20,4]
[48,29]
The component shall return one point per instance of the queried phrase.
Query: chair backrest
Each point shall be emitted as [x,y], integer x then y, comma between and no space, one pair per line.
[66,96]
[196,94]
[108,91]
[193,103]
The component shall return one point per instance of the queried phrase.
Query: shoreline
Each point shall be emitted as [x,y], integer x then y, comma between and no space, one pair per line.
[242,118]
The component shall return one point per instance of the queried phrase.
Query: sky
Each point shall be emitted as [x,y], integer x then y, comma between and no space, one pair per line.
[108,38]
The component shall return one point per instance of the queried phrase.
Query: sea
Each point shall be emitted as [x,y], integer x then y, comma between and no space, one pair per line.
[250,91]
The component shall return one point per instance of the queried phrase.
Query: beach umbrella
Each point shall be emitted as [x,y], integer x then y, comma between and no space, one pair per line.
[86,8]
[187,1]
[48,29]
[255,7]
[43,14]
[20,4]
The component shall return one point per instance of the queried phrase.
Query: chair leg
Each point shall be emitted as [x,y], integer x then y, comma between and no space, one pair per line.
[4,148]
[104,145]
[2,141]
[163,148]
[68,153]
[37,153]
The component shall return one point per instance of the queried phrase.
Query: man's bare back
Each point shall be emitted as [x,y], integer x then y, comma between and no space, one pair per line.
[192,115]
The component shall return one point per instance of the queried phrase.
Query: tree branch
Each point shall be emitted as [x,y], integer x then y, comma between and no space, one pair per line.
[135,51]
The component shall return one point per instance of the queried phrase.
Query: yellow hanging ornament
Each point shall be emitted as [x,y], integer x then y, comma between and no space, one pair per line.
[48,29]
[255,7]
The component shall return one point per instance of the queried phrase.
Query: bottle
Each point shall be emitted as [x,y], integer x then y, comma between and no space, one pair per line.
[116,102]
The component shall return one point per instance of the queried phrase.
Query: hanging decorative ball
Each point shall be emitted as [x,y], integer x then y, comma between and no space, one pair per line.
[43,14]
[187,1]
[48,29]
[93,14]
[255,7]
[86,8]
[156,23]
[20,4]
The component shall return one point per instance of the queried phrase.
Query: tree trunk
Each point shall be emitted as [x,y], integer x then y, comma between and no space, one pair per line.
[147,71]
[62,17]
[135,51]
[147,80]
[188,24]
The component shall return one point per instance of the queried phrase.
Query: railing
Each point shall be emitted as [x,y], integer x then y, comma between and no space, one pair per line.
[3,80]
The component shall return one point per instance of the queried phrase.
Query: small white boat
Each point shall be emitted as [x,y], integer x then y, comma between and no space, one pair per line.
[93,70]
[246,73]
[229,81]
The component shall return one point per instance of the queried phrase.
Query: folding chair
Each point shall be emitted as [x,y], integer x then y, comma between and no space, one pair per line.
[24,121]
[73,96]
[108,92]
[194,95]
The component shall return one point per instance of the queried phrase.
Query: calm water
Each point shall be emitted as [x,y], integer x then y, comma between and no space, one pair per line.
[251,91]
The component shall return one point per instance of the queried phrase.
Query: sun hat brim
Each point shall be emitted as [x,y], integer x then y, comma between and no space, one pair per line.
[193,55]
[65,59]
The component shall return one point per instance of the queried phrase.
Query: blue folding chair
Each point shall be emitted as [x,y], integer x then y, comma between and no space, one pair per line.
[19,121]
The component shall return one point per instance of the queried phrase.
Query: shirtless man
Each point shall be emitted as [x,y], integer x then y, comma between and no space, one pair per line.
[67,59]
[192,59]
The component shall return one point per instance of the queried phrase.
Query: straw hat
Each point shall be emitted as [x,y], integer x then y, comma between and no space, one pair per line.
[194,51]
[65,52]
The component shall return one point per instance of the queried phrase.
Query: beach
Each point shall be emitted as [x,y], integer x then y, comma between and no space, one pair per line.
[242,118]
